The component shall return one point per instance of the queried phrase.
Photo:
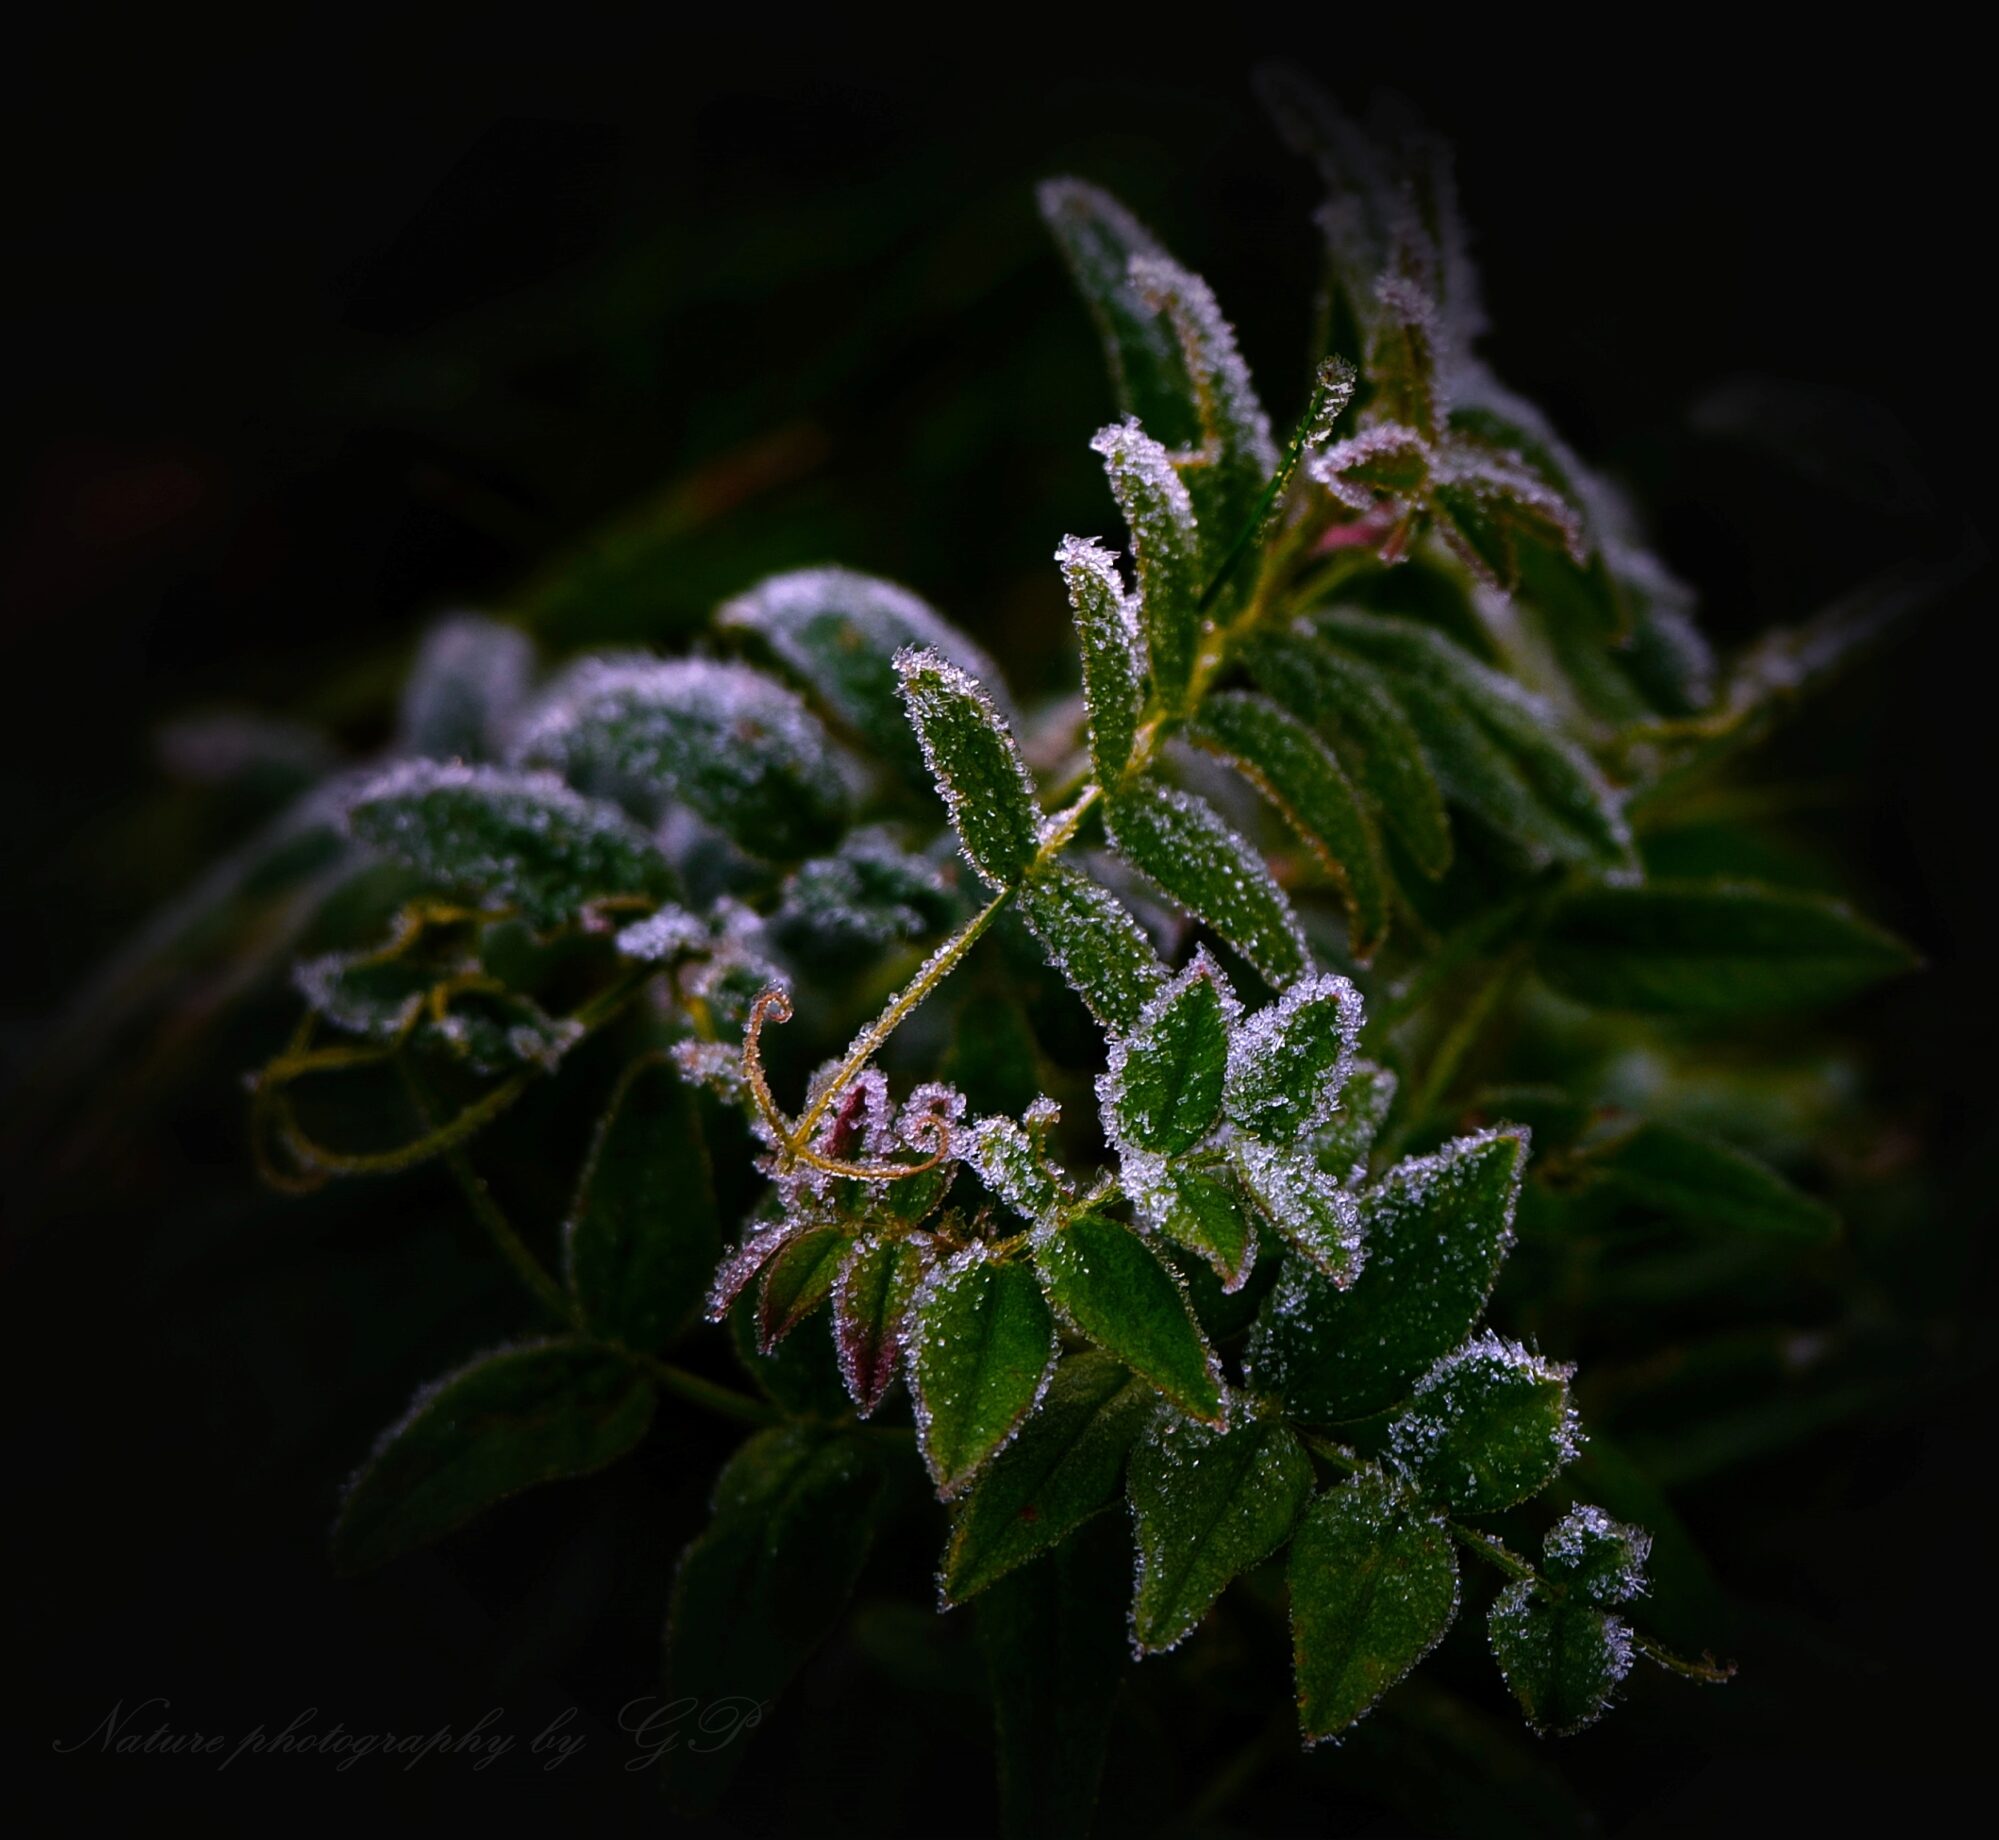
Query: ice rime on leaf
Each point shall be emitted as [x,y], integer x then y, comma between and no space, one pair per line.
[1487,1427]
[1113,648]
[1092,939]
[470,679]
[1010,1165]
[975,763]
[669,933]
[1319,1218]
[1341,1145]
[1563,1658]
[872,1297]
[1162,1087]
[1602,1558]
[1165,546]
[1288,1062]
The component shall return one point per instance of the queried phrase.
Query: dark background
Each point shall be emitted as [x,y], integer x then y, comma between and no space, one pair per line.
[319,330]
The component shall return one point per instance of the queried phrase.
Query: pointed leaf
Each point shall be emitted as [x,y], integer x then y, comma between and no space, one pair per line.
[1712,949]
[1163,1088]
[644,1234]
[1313,1212]
[1061,1470]
[1354,706]
[524,838]
[731,744]
[1563,1657]
[1296,772]
[1165,546]
[1704,1181]
[836,633]
[1288,1062]
[871,1307]
[1182,843]
[1487,1427]
[1374,1586]
[1012,1167]
[1114,669]
[1196,1208]
[797,1281]
[503,1423]
[1341,1145]
[976,764]
[982,1346]
[1094,942]
[1436,1229]
[1206,1506]
[762,1587]
[1111,1287]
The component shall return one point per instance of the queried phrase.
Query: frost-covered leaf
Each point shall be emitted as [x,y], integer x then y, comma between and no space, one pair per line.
[731,744]
[982,1346]
[976,764]
[1206,1506]
[1094,942]
[1374,1586]
[1314,1214]
[837,633]
[1292,768]
[1054,1643]
[490,1032]
[1061,1470]
[797,1281]
[1711,949]
[1603,1559]
[469,681]
[1288,1062]
[1199,1209]
[1487,1427]
[1436,1229]
[1353,706]
[643,1233]
[1386,465]
[1341,1145]
[1163,1089]
[1165,545]
[1113,647]
[1563,1657]
[869,893]
[1404,355]
[376,993]
[872,1295]
[519,837]
[1111,1287]
[1497,749]
[1184,845]
[1701,1180]
[759,1590]
[504,1423]
[1010,1164]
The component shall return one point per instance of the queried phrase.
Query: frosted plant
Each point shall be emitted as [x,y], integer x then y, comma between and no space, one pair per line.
[1234,1272]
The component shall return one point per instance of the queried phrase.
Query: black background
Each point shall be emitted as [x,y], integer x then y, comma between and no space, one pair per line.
[318,327]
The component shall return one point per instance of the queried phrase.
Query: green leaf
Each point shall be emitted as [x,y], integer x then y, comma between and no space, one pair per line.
[1288,1062]
[523,838]
[1199,1209]
[1111,1287]
[644,1235]
[1311,1209]
[799,1374]
[1497,750]
[1061,1470]
[762,1587]
[1436,1230]
[526,1415]
[1402,358]
[1603,1559]
[1296,772]
[1374,1586]
[837,634]
[976,765]
[1355,707]
[982,1348]
[1341,1145]
[1699,1179]
[1206,1506]
[1054,1645]
[872,1296]
[1711,949]
[1094,942]
[1012,1165]
[734,746]
[1163,1090]
[797,1281]
[1487,1427]
[1114,670]
[1166,550]
[469,681]
[1563,1657]
[1183,845]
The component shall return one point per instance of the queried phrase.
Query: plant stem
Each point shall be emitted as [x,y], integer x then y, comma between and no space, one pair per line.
[529,1269]
[722,1400]
[1493,1550]
[1706,1670]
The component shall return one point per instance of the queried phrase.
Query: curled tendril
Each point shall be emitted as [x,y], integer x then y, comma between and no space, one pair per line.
[773,1004]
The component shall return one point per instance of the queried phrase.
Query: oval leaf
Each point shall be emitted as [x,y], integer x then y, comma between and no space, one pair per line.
[1699,1179]
[1488,1427]
[1166,549]
[1095,943]
[1163,1088]
[1114,670]
[1288,1062]
[1563,1657]
[975,763]
[797,1281]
